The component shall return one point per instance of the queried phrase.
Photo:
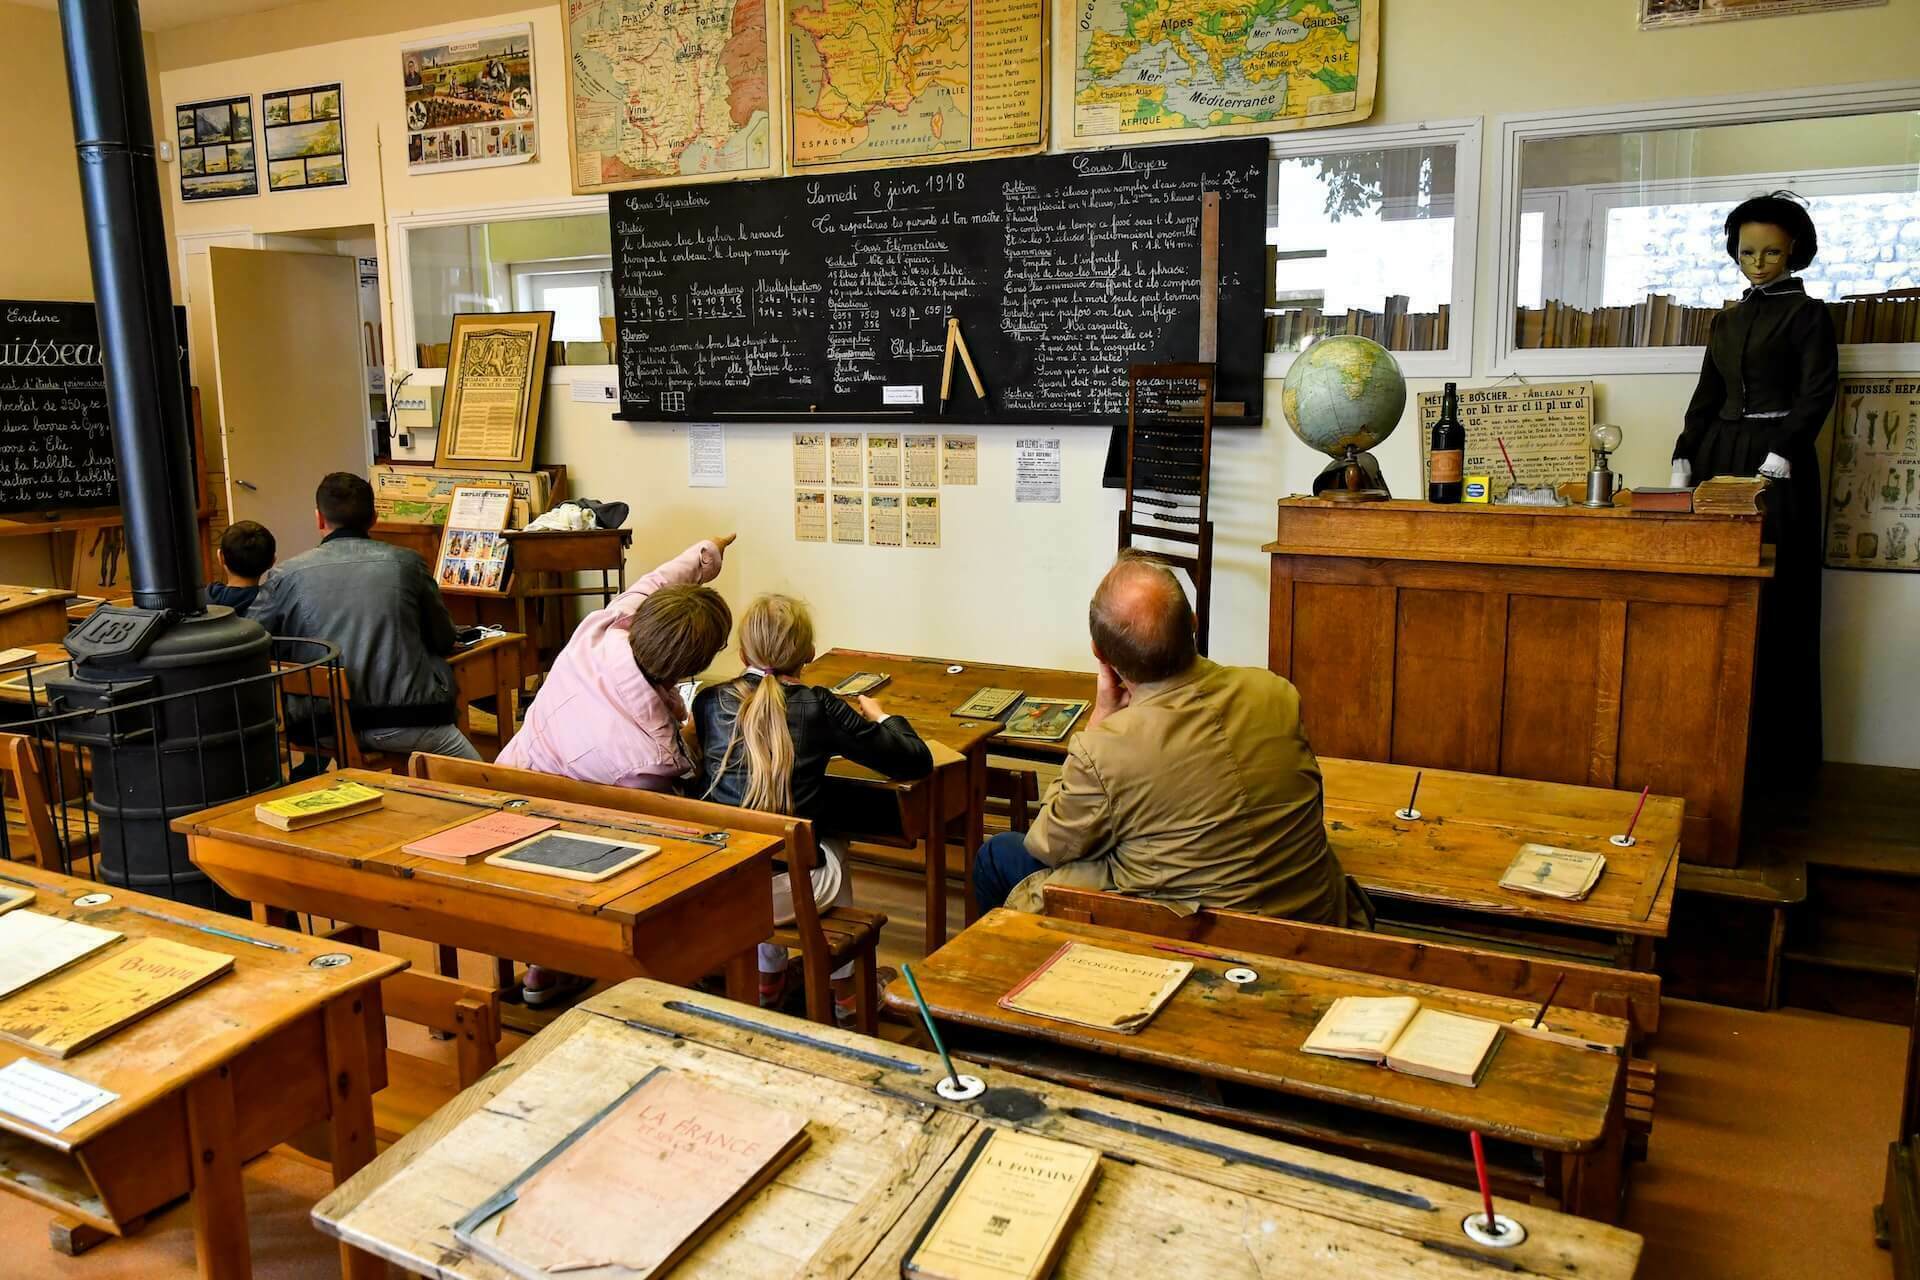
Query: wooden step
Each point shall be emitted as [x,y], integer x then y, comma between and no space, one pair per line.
[1852,957]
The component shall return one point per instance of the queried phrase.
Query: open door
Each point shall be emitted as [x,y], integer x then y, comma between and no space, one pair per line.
[292,378]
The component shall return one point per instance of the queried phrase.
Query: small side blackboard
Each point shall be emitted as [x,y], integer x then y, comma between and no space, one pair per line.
[572,856]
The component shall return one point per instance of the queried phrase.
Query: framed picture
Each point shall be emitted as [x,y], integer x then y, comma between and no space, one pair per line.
[305,135]
[216,141]
[470,100]
[1873,475]
[473,545]
[496,373]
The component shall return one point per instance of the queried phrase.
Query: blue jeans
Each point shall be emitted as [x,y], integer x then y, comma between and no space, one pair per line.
[438,740]
[1002,863]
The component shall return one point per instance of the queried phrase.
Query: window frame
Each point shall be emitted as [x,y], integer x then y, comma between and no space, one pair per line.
[1463,135]
[1686,113]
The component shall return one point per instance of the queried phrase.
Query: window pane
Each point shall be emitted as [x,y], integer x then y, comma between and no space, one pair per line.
[472,267]
[575,306]
[1361,242]
[1642,259]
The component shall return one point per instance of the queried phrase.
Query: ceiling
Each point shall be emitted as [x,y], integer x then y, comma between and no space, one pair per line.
[159,15]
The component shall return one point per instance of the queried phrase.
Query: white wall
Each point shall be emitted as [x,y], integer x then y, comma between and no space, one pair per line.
[1010,582]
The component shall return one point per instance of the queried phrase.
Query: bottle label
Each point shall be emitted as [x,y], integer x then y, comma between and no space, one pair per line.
[1445,466]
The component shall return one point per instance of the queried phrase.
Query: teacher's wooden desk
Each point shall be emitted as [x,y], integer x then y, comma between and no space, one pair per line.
[1555,1113]
[1176,1197]
[209,1082]
[701,903]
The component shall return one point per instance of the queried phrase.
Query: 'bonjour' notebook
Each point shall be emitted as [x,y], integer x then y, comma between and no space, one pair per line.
[633,1190]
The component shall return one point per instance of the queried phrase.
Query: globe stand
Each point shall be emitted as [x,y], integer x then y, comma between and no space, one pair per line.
[1353,477]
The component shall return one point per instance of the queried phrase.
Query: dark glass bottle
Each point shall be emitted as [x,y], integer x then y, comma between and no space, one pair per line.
[1447,451]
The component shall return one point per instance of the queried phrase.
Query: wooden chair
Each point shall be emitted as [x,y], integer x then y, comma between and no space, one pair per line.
[30,828]
[328,685]
[825,939]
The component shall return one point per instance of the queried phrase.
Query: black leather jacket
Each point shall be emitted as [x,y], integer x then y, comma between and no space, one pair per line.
[1775,351]
[823,725]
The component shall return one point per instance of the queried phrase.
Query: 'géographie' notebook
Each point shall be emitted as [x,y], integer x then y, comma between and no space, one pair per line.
[633,1190]
[1098,987]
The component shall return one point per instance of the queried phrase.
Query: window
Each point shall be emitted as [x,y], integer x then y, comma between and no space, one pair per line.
[1616,239]
[578,294]
[1373,237]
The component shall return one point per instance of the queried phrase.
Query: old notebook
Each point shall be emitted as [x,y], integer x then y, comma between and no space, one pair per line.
[988,703]
[861,682]
[573,856]
[1553,872]
[634,1189]
[1044,719]
[1095,987]
[33,945]
[12,659]
[77,1009]
[311,808]
[1397,1033]
[469,840]
[1008,1214]
[11,897]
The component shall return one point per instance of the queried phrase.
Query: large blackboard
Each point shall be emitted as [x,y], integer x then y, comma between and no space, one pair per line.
[829,296]
[56,445]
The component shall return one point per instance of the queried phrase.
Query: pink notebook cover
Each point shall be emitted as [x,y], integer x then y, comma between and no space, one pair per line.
[481,836]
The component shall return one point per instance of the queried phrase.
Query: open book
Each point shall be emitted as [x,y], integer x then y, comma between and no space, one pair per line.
[1397,1033]
[1554,873]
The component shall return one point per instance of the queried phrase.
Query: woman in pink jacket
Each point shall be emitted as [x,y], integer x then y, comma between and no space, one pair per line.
[608,711]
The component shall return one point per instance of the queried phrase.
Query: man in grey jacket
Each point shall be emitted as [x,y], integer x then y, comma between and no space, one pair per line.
[379,606]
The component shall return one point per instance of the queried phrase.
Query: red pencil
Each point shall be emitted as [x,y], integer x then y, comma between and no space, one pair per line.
[1637,808]
[1486,1188]
[1511,474]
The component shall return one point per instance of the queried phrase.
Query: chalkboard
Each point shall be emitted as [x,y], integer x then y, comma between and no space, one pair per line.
[56,446]
[829,296]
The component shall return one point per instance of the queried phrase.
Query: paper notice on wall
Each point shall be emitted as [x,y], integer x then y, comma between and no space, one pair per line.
[846,460]
[1873,479]
[922,461]
[960,460]
[480,508]
[883,460]
[707,455]
[809,457]
[883,519]
[1544,426]
[1036,470]
[810,515]
[923,519]
[849,516]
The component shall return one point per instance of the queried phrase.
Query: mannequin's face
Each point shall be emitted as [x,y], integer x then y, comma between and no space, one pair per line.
[1764,249]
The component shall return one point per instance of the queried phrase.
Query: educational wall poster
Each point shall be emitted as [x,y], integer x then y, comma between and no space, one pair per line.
[922,455]
[879,85]
[216,140]
[1162,71]
[473,550]
[496,374]
[1036,470]
[959,460]
[809,515]
[1655,14]
[674,93]
[923,519]
[1873,476]
[305,138]
[849,517]
[809,457]
[1544,426]
[883,460]
[846,459]
[470,100]
[707,456]
[884,524]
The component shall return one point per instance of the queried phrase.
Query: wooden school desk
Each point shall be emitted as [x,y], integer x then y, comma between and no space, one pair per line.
[490,667]
[688,910]
[208,1082]
[32,615]
[1233,1053]
[1176,1197]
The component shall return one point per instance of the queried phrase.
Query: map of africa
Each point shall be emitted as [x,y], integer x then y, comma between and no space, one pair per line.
[670,91]
[1163,70]
[888,82]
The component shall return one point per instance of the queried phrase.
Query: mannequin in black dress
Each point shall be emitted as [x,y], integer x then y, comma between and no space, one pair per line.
[1766,388]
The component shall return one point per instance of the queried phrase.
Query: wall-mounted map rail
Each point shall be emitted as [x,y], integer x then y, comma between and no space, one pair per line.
[828,297]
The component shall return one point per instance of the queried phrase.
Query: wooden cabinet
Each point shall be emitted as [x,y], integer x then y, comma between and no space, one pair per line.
[1601,647]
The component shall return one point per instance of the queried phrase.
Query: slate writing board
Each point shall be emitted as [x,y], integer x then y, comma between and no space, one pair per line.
[573,856]
[827,297]
[56,444]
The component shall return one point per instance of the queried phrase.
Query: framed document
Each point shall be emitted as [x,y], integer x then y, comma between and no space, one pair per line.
[473,548]
[496,372]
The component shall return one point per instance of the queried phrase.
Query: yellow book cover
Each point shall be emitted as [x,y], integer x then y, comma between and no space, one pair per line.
[341,800]
[1008,1214]
[64,1016]
[1554,873]
[1097,987]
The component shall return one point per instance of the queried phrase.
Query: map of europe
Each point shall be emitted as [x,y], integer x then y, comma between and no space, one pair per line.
[1195,68]
[669,91]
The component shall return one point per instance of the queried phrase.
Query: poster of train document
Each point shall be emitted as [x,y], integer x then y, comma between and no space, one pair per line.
[1544,427]
[496,372]
[1133,71]
[1873,476]
[1655,14]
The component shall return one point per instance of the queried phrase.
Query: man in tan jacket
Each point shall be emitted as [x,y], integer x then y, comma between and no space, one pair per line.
[1192,783]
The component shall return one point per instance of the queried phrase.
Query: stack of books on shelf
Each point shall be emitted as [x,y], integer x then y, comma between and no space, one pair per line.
[1394,327]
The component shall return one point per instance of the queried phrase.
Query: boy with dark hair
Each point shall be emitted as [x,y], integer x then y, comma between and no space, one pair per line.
[246,550]
[378,605]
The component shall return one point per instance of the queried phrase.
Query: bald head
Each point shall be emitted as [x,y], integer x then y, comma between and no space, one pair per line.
[1141,623]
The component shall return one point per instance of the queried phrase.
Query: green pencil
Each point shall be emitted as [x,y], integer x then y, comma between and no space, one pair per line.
[926,1015]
